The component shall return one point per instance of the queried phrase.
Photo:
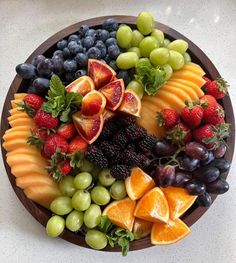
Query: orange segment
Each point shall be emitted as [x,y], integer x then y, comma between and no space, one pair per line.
[173,231]
[81,85]
[153,206]
[179,200]
[121,213]
[141,228]
[138,184]
[131,103]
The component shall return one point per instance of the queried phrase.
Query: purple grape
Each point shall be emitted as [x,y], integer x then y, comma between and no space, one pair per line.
[181,178]
[196,150]
[194,187]
[37,59]
[206,174]
[222,164]
[165,175]
[26,70]
[45,68]
[164,148]
[41,85]
[57,65]
[204,200]
[220,151]
[219,186]
[209,159]
[189,164]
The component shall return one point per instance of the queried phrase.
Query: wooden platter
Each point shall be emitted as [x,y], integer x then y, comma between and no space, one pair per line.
[18,85]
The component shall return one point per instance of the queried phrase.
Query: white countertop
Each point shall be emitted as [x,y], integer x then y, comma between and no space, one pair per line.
[25,24]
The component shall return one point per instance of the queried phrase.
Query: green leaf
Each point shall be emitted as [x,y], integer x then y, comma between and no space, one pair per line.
[105,224]
[56,87]
[65,115]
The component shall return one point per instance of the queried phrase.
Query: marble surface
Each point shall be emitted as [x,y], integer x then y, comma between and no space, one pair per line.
[24,25]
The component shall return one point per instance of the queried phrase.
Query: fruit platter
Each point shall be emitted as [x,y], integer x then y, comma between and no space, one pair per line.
[118,134]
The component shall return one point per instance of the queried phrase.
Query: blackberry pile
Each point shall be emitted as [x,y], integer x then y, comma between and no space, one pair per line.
[121,146]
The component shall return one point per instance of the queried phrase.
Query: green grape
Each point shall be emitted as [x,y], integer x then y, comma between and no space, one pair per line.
[136,50]
[136,38]
[118,190]
[86,166]
[159,56]
[81,200]
[96,239]
[187,57]
[95,172]
[83,180]
[55,226]
[159,35]
[147,45]
[124,36]
[92,216]
[61,205]
[145,23]
[144,59]
[100,195]
[169,71]
[126,60]
[66,185]
[74,220]
[178,45]
[105,178]
[166,42]
[176,60]
[136,87]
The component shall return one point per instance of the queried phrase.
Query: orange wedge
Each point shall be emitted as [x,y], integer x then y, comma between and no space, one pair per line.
[130,104]
[121,213]
[138,183]
[141,228]
[173,231]
[81,85]
[179,200]
[153,206]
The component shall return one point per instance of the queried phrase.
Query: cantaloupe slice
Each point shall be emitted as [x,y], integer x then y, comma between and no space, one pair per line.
[194,69]
[13,144]
[24,170]
[34,180]
[178,92]
[15,102]
[25,159]
[17,128]
[156,101]
[16,134]
[19,96]
[29,149]
[188,75]
[16,116]
[22,121]
[16,111]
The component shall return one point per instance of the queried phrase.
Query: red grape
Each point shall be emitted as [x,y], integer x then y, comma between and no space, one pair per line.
[196,151]
[165,175]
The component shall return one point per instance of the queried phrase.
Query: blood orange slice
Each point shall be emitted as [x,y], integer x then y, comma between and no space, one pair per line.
[82,85]
[131,103]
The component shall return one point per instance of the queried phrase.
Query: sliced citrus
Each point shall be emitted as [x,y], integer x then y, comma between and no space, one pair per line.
[131,103]
[107,114]
[153,206]
[141,228]
[169,233]
[179,200]
[121,213]
[138,183]
[93,103]
[81,85]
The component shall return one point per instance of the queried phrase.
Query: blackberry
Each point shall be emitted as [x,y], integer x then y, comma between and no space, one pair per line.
[131,158]
[108,130]
[125,120]
[131,147]
[118,159]
[120,171]
[96,157]
[147,144]
[144,161]
[134,132]
[120,139]
[109,150]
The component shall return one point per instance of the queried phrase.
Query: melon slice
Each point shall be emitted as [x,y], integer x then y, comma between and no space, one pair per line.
[22,121]
[34,180]
[17,134]
[17,128]
[178,92]
[24,170]
[188,75]
[15,102]
[25,159]
[185,88]
[19,96]
[16,116]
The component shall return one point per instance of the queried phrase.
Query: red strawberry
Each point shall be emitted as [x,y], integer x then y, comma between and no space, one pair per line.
[65,167]
[41,133]
[34,101]
[207,101]
[217,88]
[38,137]
[192,116]
[208,81]
[214,115]
[43,119]
[179,134]
[54,142]
[77,144]
[168,118]
[67,131]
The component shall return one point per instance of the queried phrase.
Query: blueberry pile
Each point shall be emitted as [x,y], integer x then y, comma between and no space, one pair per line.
[70,58]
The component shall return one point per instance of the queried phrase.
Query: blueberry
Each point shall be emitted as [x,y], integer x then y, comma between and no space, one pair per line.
[80,72]
[90,32]
[94,52]
[113,51]
[111,41]
[41,85]
[61,44]
[110,24]
[113,34]
[81,59]
[58,64]
[74,47]
[102,35]
[131,72]
[70,65]
[82,30]
[45,68]
[101,46]
[107,59]
[73,37]
[37,59]
[88,42]
[70,76]
[26,70]
[112,64]
[125,76]
[66,53]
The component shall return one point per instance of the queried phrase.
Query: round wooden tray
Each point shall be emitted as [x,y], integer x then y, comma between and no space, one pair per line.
[18,85]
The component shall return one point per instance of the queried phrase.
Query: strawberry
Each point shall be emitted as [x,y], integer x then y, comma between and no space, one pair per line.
[214,114]
[192,115]
[43,119]
[53,143]
[167,118]
[67,131]
[208,81]
[77,144]
[179,134]
[207,101]
[217,88]
[41,133]
[65,167]
[34,101]
[38,137]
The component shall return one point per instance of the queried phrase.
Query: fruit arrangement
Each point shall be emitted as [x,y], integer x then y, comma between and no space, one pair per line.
[118,135]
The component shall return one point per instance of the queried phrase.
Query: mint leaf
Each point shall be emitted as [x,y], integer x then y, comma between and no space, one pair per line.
[105,224]
[56,87]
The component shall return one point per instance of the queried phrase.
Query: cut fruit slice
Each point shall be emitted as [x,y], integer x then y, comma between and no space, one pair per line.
[184,96]
[18,128]
[88,128]
[173,231]
[22,121]
[34,179]
[16,116]
[24,170]
[141,228]
[100,72]
[107,114]
[82,85]
[188,75]
[14,103]
[13,144]
[25,159]
[93,103]
[194,68]
[131,103]
[121,213]
[138,183]
[30,150]
[19,96]
[114,93]
[17,134]
[153,207]
[179,200]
